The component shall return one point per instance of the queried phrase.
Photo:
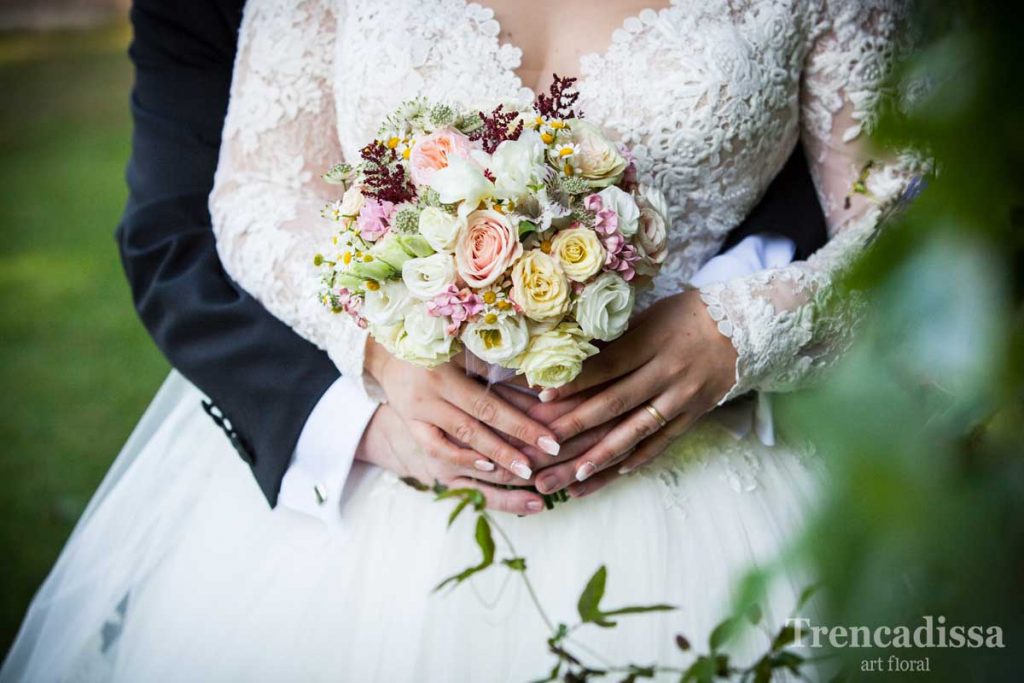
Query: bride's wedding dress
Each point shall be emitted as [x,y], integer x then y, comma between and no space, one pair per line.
[178,569]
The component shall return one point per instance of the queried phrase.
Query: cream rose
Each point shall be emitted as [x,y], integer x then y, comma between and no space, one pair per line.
[652,236]
[625,208]
[439,228]
[579,252]
[598,160]
[352,201]
[555,358]
[435,151]
[604,307]
[518,164]
[540,287]
[429,276]
[497,339]
[486,247]
[387,304]
[424,339]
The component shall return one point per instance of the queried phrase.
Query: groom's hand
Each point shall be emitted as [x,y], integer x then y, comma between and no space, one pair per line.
[387,443]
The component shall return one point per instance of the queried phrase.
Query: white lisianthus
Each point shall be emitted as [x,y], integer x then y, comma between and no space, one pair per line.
[555,358]
[352,201]
[625,206]
[597,159]
[439,228]
[497,339]
[579,252]
[540,287]
[429,276]
[518,164]
[387,304]
[462,181]
[604,307]
[424,340]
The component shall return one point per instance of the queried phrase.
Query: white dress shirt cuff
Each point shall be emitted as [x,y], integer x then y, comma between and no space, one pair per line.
[325,450]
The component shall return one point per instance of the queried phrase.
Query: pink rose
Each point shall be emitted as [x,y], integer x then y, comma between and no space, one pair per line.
[374,219]
[486,247]
[431,153]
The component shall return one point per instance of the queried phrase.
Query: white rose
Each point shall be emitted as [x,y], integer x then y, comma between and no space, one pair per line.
[424,339]
[439,228]
[497,339]
[352,201]
[387,304]
[517,164]
[555,358]
[462,181]
[429,276]
[598,160]
[604,307]
[579,252]
[624,205]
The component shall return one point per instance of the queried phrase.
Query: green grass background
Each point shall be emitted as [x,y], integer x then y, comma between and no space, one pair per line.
[76,367]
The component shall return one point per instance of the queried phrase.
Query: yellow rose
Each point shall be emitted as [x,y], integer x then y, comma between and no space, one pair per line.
[579,252]
[555,358]
[540,287]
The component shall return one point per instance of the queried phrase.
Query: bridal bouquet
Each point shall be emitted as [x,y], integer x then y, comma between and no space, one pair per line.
[519,233]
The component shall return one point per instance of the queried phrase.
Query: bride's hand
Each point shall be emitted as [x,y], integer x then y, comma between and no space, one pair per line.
[674,359]
[443,402]
[387,443]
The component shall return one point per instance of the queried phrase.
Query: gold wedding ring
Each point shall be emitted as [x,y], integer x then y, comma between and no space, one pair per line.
[656,414]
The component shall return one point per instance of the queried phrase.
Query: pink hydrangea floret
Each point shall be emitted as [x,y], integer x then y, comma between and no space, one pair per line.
[457,304]
[374,219]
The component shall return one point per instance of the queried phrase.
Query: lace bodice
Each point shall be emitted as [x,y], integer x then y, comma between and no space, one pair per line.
[711,95]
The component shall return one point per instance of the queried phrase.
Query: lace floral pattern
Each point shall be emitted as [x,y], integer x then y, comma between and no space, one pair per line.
[712,95]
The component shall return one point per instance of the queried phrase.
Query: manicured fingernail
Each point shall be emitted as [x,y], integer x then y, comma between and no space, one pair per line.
[577,490]
[484,465]
[585,471]
[548,445]
[535,506]
[625,469]
[521,470]
[548,395]
[547,484]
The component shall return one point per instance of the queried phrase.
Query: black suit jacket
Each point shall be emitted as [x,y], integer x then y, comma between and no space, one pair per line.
[262,378]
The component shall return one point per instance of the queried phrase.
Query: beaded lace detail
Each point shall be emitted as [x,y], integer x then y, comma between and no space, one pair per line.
[711,95]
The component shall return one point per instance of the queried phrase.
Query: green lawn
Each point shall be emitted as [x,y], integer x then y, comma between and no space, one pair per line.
[76,367]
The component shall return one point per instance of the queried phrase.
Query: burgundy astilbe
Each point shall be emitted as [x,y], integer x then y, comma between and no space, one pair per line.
[384,178]
[496,129]
[560,103]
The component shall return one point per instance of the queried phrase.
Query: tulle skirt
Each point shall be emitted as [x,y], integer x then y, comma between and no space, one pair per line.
[178,570]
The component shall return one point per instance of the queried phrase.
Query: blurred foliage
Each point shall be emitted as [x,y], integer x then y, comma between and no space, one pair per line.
[922,426]
[76,367]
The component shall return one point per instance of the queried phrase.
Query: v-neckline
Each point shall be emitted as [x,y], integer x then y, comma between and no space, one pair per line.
[581,60]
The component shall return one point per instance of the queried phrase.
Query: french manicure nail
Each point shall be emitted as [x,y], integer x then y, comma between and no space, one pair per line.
[584,471]
[535,506]
[521,470]
[547,395]
[547,484]
[577,490]
[548,445]
[484,465]
[625,469]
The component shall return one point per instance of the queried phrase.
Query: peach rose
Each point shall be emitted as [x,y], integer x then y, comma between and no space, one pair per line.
[487,246]
[431,153]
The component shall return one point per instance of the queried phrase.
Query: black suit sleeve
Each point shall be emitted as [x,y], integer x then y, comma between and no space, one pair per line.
[789,208]
[263,377]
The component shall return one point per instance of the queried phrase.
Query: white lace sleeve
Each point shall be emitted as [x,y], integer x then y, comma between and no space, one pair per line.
[280,135]
[786,323]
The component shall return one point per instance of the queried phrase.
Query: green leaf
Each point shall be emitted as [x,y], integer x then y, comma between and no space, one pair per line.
[805,595]
[526,227]
[591,597]
[486,543]
[637,609]
[789,660]
[415,483]
[723,633]
[702,670]
[786,635]
[472,496]
[754,613]
[516,564]
[458,509]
